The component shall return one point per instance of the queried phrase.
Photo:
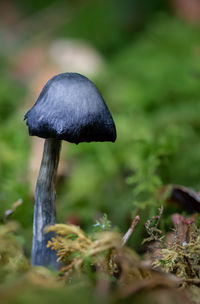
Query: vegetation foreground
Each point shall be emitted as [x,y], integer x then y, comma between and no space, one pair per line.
[99,266]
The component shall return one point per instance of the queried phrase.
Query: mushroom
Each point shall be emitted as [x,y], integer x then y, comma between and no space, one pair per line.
[70,108]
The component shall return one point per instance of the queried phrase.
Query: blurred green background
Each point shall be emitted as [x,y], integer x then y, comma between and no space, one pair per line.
[144,56]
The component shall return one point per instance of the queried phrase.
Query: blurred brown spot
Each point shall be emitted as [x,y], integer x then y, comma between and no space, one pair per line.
[187,9]
[9,13]
[73,220]
[29,61]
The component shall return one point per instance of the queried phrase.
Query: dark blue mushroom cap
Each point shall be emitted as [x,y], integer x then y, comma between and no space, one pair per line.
[71,108]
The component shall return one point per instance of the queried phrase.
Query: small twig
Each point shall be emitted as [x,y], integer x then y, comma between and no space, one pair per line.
[14,206]
[130,230]
[153,231]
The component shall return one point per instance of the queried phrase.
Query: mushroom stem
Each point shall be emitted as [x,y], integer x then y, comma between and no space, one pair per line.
[45,208]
